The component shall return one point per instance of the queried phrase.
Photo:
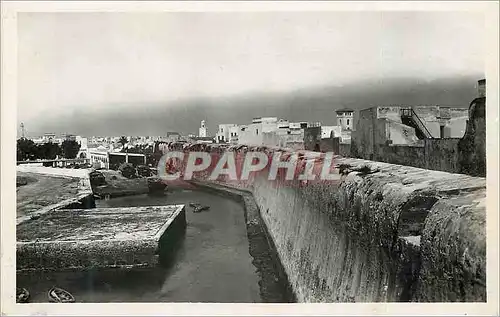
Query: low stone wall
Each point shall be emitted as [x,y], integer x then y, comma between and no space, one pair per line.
[442,155]
[402,155]
[345,150]
[433,154]
[398,234]
[54,171]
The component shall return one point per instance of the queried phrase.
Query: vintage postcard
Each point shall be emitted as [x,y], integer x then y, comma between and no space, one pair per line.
[249,158]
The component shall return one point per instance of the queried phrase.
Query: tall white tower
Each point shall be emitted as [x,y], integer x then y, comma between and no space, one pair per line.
[345,119]
[203,129]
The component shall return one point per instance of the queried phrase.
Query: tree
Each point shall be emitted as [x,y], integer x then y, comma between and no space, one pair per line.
[49,151]
[26,149]
[139,149]
[70,148]
[123,140]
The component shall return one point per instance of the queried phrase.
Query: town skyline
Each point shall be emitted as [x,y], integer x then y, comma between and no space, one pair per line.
[313,104]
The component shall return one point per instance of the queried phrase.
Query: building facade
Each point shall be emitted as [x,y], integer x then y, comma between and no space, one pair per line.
[274,132]
[226,133]
[345,119]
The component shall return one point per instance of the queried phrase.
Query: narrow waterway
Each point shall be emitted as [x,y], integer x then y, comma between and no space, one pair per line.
[212,264]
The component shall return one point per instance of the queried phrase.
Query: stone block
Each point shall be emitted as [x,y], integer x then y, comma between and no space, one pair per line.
[97,238]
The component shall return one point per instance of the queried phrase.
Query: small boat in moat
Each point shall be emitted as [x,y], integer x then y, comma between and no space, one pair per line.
[22,295]
[58,295]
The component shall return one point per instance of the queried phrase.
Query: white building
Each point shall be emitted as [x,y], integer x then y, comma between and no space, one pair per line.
[203,130]
[234,134]
[270,131]
[49,137]
[99,158]
[326,131]
[226,132]
[345,119]
[252,134]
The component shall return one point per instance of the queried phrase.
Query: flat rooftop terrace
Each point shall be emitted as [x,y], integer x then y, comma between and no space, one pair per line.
[100,237]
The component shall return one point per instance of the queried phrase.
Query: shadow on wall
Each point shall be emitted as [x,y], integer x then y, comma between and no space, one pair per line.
[472,147]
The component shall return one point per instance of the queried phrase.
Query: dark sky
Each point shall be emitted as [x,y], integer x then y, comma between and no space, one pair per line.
[98,62]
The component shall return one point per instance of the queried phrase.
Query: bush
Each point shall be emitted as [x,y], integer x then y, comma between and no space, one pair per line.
[143,171]
[128,170]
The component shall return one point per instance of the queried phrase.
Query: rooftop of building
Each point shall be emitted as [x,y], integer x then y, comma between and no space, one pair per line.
[344,110]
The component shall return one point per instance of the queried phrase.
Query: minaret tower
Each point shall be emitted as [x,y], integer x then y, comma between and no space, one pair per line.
[203,129]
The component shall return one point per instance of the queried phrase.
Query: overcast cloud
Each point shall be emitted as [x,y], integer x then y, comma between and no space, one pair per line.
[67,60]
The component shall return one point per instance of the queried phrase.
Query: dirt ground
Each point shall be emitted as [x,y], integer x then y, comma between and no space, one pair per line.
[42,191]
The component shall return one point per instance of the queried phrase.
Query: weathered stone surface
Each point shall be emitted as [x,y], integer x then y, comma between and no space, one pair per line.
[69,239]
[472,147]
[454,250]
[384,236]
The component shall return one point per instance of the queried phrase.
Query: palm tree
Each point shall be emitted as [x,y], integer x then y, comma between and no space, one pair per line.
[123,140]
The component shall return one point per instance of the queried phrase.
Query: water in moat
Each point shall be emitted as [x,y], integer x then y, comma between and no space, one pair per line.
[212,263]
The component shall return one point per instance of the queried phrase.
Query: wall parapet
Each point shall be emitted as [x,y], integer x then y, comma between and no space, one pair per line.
[397,234]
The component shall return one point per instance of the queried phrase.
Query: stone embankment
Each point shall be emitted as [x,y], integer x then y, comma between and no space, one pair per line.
[86,239]
[395,234]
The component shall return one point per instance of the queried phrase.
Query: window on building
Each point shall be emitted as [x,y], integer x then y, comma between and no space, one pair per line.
[441,131]
[347,121]
[257,131]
